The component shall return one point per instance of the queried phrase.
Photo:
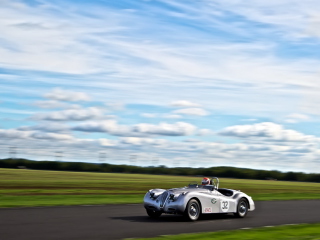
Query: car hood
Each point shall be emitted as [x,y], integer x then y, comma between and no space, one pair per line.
[186,189]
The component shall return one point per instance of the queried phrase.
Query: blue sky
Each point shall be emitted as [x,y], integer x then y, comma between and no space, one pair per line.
[178,83]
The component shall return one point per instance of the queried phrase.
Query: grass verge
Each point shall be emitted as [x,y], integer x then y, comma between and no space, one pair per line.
[22,188]
[292,232]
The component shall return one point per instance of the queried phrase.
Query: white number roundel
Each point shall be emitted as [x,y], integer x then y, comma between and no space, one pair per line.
[224,205]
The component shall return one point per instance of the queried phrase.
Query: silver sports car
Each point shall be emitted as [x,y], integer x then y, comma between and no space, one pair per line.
[194,200]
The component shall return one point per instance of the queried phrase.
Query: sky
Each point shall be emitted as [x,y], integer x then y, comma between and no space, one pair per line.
[162,82]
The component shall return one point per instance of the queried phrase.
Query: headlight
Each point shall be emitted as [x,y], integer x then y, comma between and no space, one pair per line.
[153,195]
[171,197]
[174,197]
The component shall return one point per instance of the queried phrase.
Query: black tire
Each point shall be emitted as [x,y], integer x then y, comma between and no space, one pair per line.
[242,208]
[153,214]
[193,210]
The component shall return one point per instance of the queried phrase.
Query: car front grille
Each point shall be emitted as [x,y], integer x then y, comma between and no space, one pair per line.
[163,198]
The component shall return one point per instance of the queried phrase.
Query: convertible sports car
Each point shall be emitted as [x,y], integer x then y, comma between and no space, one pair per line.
[194,200]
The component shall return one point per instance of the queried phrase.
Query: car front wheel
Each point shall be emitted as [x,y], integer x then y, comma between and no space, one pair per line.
[193,210]
[242,208]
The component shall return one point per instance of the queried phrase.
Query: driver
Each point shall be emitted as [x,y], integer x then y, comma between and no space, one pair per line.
[205,181]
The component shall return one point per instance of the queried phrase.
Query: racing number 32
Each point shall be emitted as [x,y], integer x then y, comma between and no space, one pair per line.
[224,206]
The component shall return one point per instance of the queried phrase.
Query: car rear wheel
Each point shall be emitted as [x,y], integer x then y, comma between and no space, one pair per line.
[153,214]
[193,210]
[242,208]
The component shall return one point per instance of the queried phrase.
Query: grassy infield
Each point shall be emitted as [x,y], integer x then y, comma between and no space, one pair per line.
[24,188]
[298,232]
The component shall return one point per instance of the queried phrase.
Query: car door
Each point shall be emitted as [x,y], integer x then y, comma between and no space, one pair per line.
[226,204]
[210,202]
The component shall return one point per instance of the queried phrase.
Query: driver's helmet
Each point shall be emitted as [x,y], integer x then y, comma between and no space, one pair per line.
[205,181]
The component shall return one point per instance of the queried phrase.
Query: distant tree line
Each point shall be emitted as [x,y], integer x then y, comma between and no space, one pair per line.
[228,172]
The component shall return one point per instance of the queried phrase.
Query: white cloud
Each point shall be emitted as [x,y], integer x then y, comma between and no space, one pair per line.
[249,119]
[17,134]
[203,132]
[176,129]
[109,126]
[138,130]
[312,29]
[296,117]
[149,115]
[51,136]
[107,142]
[46,127]
[192,111]
[69,96]
[184,103]
[71,115]
[13,133]
[49,104]
[143,141]
[267,131]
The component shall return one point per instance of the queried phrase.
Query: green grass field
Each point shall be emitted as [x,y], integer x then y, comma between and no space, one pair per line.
[21,188]
[294,232]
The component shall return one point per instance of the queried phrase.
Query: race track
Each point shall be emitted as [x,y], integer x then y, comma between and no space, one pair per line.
[129,221]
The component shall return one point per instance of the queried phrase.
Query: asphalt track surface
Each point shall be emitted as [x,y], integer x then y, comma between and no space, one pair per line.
[130,221]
